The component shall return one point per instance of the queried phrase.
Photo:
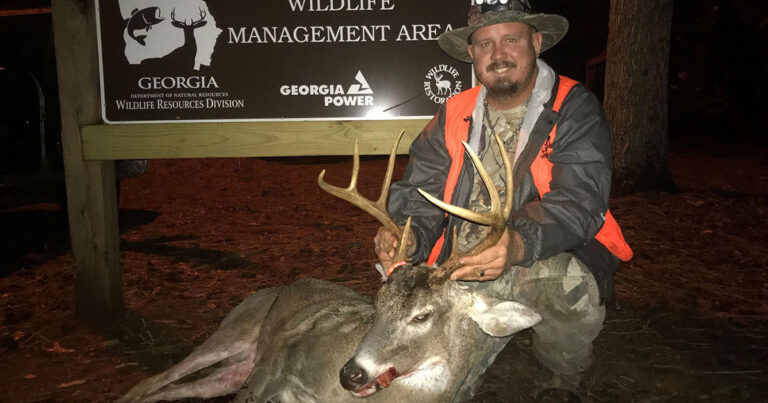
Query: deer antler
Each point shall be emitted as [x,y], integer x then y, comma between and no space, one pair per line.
[401,254]
[193,23]
[377,209]
[497,217]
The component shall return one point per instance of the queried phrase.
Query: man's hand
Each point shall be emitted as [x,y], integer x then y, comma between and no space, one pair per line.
[385,245]
[490,263]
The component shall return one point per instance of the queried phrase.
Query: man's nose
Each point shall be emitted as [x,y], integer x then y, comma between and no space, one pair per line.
[499,52]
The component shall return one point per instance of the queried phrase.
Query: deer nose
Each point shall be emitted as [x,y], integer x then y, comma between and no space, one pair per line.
[352,376]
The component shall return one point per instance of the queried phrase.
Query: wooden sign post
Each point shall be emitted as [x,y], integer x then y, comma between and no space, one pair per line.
[90,184]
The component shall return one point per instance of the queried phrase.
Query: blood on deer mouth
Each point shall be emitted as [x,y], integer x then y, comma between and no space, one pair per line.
[382,381]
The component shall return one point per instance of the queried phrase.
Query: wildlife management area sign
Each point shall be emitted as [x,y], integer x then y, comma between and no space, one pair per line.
[245,60]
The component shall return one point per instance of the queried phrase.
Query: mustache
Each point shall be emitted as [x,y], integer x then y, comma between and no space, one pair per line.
[499,64]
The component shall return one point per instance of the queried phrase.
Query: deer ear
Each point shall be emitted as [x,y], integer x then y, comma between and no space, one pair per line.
[500,318]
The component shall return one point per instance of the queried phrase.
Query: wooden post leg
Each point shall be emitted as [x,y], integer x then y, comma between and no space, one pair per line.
[90,184]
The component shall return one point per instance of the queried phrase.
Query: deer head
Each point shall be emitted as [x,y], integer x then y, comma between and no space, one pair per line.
[425,326]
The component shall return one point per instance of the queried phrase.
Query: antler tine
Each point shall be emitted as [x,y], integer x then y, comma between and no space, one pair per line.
[401,254]
[497,217]
[480,218]
[377,209]
[390,170]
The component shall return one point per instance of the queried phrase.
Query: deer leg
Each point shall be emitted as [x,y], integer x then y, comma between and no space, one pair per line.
[224,381]
[237,335]
[197,360]
[258,388]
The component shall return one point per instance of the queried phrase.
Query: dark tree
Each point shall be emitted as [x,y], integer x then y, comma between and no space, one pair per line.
[636,79]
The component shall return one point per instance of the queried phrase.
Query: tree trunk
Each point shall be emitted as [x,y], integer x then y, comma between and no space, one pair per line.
[637,66]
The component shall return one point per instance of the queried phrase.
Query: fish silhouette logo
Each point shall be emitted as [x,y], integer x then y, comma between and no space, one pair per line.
[143,21]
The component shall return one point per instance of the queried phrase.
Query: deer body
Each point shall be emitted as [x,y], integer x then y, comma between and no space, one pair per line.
[266,336]
[287,344]
[415,344]
[312,326]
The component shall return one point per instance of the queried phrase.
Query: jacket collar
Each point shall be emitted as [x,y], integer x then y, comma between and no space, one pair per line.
[542,91]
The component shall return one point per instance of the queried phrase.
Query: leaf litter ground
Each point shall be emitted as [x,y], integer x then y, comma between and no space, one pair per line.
[689,323]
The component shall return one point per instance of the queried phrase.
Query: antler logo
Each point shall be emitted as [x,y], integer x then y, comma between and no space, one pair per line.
[442,83]
[185,40]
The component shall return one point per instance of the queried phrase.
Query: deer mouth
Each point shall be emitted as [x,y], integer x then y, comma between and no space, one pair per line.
[430,368]
[382,381]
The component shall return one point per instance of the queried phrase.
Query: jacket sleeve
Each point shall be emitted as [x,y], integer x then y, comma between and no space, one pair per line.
[427,169]
[573,211]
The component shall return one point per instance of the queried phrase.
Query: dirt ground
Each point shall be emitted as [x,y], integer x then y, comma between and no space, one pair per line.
[690,321]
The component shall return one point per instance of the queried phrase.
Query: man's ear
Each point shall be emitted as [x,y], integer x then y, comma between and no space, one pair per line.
[536,37]
[500,318]
[469,50]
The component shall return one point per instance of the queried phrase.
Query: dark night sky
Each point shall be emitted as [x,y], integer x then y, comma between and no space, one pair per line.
[717,61]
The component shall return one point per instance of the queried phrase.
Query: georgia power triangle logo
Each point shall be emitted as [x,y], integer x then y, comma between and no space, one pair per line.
[361,88]
[174,33]
[358,94]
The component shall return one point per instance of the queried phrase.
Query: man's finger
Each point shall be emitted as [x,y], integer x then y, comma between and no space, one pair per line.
[490,274]
[490,261]
[486,271]
[482,258]
[476,275]
[465,273]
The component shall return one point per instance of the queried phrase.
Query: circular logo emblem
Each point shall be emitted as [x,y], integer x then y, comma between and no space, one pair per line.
[442,82]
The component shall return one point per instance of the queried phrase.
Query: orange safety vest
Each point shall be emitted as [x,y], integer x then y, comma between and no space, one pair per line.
[457,130]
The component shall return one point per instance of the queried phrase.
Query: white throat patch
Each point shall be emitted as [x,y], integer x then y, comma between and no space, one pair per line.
[432,376]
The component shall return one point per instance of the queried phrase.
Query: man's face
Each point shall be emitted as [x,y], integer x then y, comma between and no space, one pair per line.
[505,57]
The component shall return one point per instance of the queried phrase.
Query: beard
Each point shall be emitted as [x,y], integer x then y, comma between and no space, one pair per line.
[504,87]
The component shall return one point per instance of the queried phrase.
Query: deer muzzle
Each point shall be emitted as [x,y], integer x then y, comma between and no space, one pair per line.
[352,377]
[356,380]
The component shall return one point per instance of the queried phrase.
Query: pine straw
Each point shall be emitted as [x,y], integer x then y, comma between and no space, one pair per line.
[701,250]
[192,251]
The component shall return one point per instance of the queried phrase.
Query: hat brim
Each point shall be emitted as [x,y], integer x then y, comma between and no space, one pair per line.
[553,28]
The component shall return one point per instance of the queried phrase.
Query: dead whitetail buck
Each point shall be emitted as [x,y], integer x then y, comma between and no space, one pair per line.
[287,344]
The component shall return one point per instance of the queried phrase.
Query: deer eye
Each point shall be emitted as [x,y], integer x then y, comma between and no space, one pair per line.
[421,317]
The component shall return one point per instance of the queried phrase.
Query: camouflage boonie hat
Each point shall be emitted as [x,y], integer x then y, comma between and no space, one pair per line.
[552,26]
